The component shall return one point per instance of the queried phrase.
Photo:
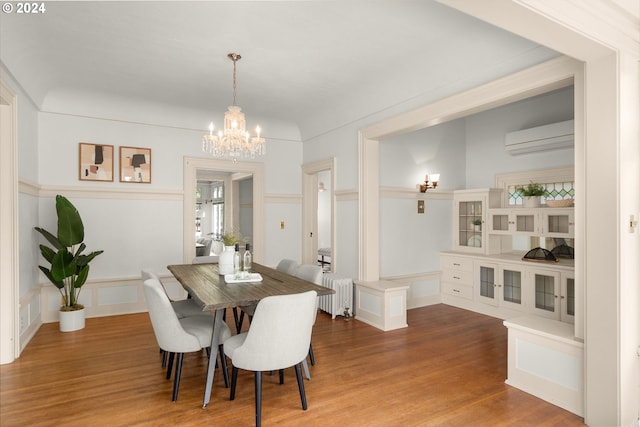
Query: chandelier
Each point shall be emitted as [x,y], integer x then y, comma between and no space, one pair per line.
[234,141]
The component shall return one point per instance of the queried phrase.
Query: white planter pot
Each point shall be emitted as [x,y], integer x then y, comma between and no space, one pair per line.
[72,320]
[225,261]
[531,202]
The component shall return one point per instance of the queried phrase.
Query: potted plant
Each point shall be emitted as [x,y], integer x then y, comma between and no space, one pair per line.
[531,194]
[477,224]
[68,266]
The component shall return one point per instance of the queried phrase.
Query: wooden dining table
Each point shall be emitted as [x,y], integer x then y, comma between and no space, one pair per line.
[204,283]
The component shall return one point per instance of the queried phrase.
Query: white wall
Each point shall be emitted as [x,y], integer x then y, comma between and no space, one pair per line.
[406,159]
[485,134]
[410,242]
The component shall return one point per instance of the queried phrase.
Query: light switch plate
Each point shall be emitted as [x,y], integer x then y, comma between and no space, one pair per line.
[420,206]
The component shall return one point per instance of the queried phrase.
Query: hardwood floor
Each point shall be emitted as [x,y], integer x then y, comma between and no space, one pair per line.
[446,369]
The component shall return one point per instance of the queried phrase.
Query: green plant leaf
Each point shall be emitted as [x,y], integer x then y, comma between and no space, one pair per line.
[86,259]
[70,227]
[50,237]
[79,250]
[63,265]
[58,283]
[47,253]
[83,273]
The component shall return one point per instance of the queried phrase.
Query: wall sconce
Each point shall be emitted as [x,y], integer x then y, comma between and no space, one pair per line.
[321,187]
[430,181]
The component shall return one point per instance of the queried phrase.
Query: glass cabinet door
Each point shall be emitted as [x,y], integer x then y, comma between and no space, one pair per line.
[511,287]
[568,298]
[486,287]
[525,222]
[500,221]
[558,222]
[470,224]
[546,291]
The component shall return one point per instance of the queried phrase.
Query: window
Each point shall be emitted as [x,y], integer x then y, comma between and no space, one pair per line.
[559,184]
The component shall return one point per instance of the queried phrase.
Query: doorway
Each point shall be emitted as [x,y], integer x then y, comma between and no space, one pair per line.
[318,214]
[235,175]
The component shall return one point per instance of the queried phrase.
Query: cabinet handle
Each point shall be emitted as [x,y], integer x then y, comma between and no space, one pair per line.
[561,296]
[456,290]
[456,277]
[456,264]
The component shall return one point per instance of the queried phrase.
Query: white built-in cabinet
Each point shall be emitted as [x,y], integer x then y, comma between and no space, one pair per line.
[484,275]
[505,286]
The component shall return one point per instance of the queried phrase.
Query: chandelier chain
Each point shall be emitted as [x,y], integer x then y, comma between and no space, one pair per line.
[235,58]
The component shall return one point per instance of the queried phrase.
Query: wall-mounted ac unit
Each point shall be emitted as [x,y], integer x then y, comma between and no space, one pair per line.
[542,138]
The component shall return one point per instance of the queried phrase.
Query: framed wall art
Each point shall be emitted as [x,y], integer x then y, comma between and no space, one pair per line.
[95,162]
[135,165]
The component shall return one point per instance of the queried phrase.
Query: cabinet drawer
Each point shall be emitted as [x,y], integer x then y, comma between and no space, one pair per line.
[457,290]
[458,277]
[455,263]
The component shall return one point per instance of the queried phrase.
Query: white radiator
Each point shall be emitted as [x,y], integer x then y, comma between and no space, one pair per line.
[342,300]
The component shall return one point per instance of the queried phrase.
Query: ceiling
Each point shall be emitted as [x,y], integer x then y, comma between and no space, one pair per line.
[301,59]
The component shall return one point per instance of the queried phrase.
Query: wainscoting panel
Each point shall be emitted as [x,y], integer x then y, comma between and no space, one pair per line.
[424,288]
[106,297]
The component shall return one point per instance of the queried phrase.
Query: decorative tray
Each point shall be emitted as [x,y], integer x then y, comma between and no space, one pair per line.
[566,203]
[253,277]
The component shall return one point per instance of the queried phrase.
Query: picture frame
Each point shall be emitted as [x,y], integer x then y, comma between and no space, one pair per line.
[135,165]
[95,162]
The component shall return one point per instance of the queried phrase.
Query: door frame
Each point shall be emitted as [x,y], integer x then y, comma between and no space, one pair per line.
[9,247]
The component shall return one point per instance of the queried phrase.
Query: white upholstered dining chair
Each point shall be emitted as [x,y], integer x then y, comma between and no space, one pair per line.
[184,307]
[180,336]
[278,338]
[288,266]
[285,265]
[313,274]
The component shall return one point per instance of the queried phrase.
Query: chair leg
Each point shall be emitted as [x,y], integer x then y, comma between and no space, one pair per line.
[305,366]
[281,374]
[258,381]
[170,366]
[303,397]
[165,355]
[311,358]
[223,365]
[176,380]
[238,320]
[234,380]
